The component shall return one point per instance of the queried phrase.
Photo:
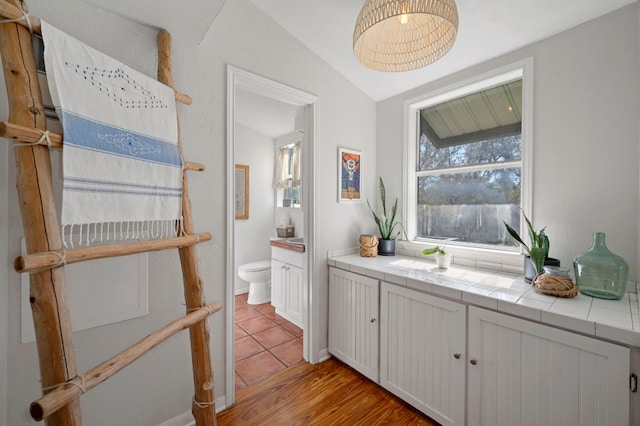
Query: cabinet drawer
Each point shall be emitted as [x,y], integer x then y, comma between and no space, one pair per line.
[288,256]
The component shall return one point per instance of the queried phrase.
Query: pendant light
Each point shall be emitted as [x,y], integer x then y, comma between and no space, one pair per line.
[402,35]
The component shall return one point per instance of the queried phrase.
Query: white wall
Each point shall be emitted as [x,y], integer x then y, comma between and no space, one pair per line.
[159,387]
[585,134]
[345,117]
[252,236]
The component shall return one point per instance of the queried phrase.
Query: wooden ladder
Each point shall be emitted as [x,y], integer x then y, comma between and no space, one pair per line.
[45,258]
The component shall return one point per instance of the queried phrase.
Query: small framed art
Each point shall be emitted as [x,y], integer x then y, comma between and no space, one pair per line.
[349,175]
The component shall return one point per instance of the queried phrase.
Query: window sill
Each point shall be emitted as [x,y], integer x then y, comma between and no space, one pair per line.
[495,260]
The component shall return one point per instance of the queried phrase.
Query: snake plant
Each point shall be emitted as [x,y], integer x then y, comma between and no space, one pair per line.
[386,221]
[539,249]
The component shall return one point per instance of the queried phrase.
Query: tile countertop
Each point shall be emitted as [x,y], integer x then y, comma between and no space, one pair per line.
[614,320]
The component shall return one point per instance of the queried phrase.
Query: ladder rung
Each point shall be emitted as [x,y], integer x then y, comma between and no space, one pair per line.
[30,135]
[193,166]
[52,259]
[9,11]
[59,397]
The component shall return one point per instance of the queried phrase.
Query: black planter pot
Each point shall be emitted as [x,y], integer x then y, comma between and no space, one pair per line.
[386,247]
[530,269]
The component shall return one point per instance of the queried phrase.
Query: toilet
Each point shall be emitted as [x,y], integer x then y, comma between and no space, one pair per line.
[259,276]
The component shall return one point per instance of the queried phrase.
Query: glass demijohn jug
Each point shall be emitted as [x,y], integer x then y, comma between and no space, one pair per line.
[600,273]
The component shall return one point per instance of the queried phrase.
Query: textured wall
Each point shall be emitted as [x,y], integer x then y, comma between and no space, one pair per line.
[159,387]
[252,235]
[585,134]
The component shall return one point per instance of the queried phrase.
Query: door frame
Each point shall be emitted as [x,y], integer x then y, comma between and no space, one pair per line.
[241,79]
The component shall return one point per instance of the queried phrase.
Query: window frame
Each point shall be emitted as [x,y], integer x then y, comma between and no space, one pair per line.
[522,69]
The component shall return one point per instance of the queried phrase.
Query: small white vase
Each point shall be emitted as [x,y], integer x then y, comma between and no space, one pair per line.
[443,260]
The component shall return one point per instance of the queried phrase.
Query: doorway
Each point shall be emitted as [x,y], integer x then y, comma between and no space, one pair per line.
[243,86]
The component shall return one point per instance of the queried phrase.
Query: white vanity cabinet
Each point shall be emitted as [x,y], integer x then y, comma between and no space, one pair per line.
[523,373]
[423,350]
[464,365]
[287,284]
[353,321]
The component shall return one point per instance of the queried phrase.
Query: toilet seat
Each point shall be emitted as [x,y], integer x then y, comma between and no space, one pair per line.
[261,265]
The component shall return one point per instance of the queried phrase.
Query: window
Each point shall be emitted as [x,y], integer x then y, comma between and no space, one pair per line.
[466,163]
[287,175]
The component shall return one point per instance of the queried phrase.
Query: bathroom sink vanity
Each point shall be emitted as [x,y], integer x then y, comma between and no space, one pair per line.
[475,347]
[288,278]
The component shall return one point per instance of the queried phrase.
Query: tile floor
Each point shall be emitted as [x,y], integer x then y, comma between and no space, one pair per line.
[265,342]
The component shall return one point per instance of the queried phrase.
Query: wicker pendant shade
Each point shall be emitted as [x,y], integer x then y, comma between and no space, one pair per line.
[402,35]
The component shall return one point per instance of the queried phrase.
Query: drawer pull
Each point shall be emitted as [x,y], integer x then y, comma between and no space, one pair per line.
[473,361]
[373,320]
[457,355]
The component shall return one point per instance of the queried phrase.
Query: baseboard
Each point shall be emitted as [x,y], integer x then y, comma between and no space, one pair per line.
[289,318]
[186,418]
[324,355]
[221,403]
[241,290]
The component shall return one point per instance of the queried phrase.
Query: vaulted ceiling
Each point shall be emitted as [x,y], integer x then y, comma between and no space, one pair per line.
[487,29]
[188,20]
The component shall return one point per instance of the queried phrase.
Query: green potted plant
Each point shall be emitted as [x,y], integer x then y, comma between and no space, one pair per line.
[538,254]
[443,259]
[388,227]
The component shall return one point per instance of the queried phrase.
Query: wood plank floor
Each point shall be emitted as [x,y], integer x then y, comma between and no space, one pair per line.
[325,394]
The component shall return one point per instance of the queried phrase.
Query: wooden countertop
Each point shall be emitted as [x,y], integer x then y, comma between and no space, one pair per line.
[282,243]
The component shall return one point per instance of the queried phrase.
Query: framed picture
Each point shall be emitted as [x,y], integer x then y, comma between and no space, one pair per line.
[349,176]
[242,192]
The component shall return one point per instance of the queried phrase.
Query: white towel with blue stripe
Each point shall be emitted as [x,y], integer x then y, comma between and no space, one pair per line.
[122,170]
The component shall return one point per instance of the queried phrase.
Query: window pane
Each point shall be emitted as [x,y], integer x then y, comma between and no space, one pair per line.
[483,152]
[484,127]
[490,113]
[469,207]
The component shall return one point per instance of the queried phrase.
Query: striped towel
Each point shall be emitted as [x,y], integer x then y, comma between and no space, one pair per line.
[122,170]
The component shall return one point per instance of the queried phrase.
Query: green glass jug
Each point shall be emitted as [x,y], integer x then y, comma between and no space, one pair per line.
[600,273]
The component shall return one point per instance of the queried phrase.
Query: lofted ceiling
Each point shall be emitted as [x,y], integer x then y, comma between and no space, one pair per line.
[487,29]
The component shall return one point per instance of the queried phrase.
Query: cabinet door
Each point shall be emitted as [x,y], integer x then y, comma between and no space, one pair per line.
[353,321]
[294,293]
[422,352]
[278,284]
[524,373]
